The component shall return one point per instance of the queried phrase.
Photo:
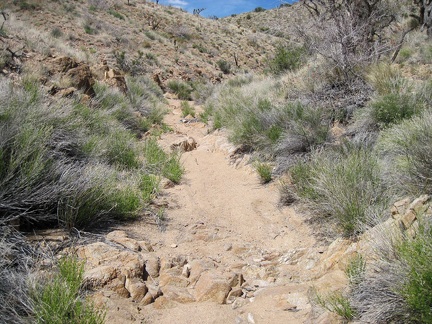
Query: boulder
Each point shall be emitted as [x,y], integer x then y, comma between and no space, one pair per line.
[136,288]
[212,286]
[120,237]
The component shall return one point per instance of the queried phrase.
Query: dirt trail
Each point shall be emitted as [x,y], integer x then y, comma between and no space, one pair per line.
[220,213]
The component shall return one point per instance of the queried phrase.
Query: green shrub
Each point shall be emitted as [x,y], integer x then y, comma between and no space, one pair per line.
[187,109]
[56,32]
[286,59]
[326,179]
[405,150]
[157,161]
[264,171]
[59,300]
[116,14]
[337,303]
[259,9]
[173,170]
[224,66]
[417,288]
[181,89]
[393,108]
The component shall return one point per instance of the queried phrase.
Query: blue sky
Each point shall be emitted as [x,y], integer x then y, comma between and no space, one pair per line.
[222,8]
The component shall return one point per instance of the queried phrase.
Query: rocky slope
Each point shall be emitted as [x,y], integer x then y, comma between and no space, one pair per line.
[140,38]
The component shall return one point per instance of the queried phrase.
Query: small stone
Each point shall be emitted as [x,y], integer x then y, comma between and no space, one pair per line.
[136,288]
[174,245]
[152,266]
[233,294]
[186,270]
[250,318]
[228,247]
[239,302]
[147,300]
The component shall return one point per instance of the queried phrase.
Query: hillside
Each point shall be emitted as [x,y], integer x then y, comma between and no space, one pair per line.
[142,37]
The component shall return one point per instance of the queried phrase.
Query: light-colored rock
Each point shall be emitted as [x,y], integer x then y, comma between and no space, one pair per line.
[147,300]
[173,277]
[120,237]
[233,294]
[152,266]
[212,286]
[164,303]
[180,295]
[136,288]
[145,246]
[118,286]
[186,271]
[250,318]
[100,276]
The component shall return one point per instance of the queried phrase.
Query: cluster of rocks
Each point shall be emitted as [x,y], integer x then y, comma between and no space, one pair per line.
[132,269]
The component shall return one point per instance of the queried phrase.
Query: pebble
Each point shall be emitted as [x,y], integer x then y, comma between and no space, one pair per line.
[174,245]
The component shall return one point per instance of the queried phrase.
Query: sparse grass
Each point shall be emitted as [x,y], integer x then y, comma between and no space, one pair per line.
[59,299]
[224,66]
[116,14]
[325,179]
[286,59]
[187,109]
[264,171]
[405,151]
[336,302]
[157,161]
[181,89]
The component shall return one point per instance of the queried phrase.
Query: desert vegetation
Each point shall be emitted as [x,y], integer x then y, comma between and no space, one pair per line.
[340,110]
[72,165]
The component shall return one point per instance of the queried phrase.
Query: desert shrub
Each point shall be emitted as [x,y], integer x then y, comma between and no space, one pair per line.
[259,9]
[224,66]
[286,59]
[17,258]
[306,128]
[326,179]
[63,165]
[202,91]
[187,109]
[116,14]
[173,169]
[397,288]
[264,171]
[355,269]
[181,89]
[385,79]
[56,32]
[405,150]
[149,185]
[416,290]
[393,108]
[59,299]
[159,162]
[257,117]
[336,302]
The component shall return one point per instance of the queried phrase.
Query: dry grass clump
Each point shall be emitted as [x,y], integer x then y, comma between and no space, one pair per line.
[325,178]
